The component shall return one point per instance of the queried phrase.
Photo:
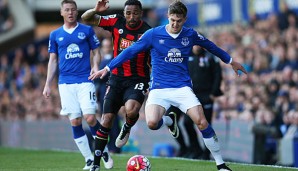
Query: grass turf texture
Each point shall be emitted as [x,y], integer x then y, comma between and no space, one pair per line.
[12,159]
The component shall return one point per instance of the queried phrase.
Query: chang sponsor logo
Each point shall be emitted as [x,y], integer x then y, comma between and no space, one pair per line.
[174,56]
[73,51]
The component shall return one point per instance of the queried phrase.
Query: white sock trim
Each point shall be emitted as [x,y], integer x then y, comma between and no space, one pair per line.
[83,145]
[213,145]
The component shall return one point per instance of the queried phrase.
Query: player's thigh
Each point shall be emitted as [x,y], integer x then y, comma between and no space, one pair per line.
[87,98]
[154,113]
[70,104]
[156,105]
[133,98]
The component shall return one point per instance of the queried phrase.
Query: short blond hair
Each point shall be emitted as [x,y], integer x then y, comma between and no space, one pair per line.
[69,2]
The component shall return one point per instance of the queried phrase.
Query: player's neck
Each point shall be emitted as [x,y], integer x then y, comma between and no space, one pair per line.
[170,31]
[68,25]
[70,29]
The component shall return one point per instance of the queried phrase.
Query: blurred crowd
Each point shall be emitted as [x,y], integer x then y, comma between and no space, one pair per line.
[268,50]
[6,18]
[22,76]
[266,96]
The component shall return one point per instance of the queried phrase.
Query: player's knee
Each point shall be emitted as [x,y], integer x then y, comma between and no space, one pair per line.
[152,125]
[90,119]
[132,107]
[132,111]
[76,121]
[202,124]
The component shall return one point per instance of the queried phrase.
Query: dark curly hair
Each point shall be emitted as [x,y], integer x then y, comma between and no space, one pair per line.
[134,2]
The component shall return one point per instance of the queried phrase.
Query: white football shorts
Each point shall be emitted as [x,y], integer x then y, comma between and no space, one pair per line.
[183,98]
[77,99]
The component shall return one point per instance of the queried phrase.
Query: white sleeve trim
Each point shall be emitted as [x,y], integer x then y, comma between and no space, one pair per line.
[99,20]
[107,68]
[231,60]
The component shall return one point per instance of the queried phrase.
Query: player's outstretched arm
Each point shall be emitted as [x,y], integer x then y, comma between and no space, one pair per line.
[96,60]
[237,66]
[91,16]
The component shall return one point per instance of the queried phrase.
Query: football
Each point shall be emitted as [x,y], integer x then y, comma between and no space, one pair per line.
[138,163]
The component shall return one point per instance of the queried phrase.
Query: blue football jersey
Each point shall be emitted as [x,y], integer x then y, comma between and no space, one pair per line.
[169,56]
[73,51]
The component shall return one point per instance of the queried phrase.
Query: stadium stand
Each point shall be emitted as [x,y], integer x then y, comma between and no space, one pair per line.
[19,25]
[6,19]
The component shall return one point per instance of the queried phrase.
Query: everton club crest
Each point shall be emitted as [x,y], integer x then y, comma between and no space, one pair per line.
[185,41]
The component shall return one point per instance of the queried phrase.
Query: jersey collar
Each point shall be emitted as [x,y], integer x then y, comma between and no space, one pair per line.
[140,25]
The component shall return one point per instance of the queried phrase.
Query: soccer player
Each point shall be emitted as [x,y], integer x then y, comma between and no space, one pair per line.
[128,82]
[171,45]
[69,46]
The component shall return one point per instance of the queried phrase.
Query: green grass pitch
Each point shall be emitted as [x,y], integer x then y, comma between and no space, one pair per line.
[12,159]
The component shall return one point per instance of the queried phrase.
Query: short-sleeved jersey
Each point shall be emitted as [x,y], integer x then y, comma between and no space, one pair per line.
[123,37]
[169,55]
[73,51]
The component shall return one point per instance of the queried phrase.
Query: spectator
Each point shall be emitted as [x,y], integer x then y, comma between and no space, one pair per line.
[266,131]
[286,17]
[31,55]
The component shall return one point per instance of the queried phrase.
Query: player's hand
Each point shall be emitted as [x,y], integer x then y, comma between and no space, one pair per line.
[99,74]
[46,92]
[93,70]
[237,66]
[102,5]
